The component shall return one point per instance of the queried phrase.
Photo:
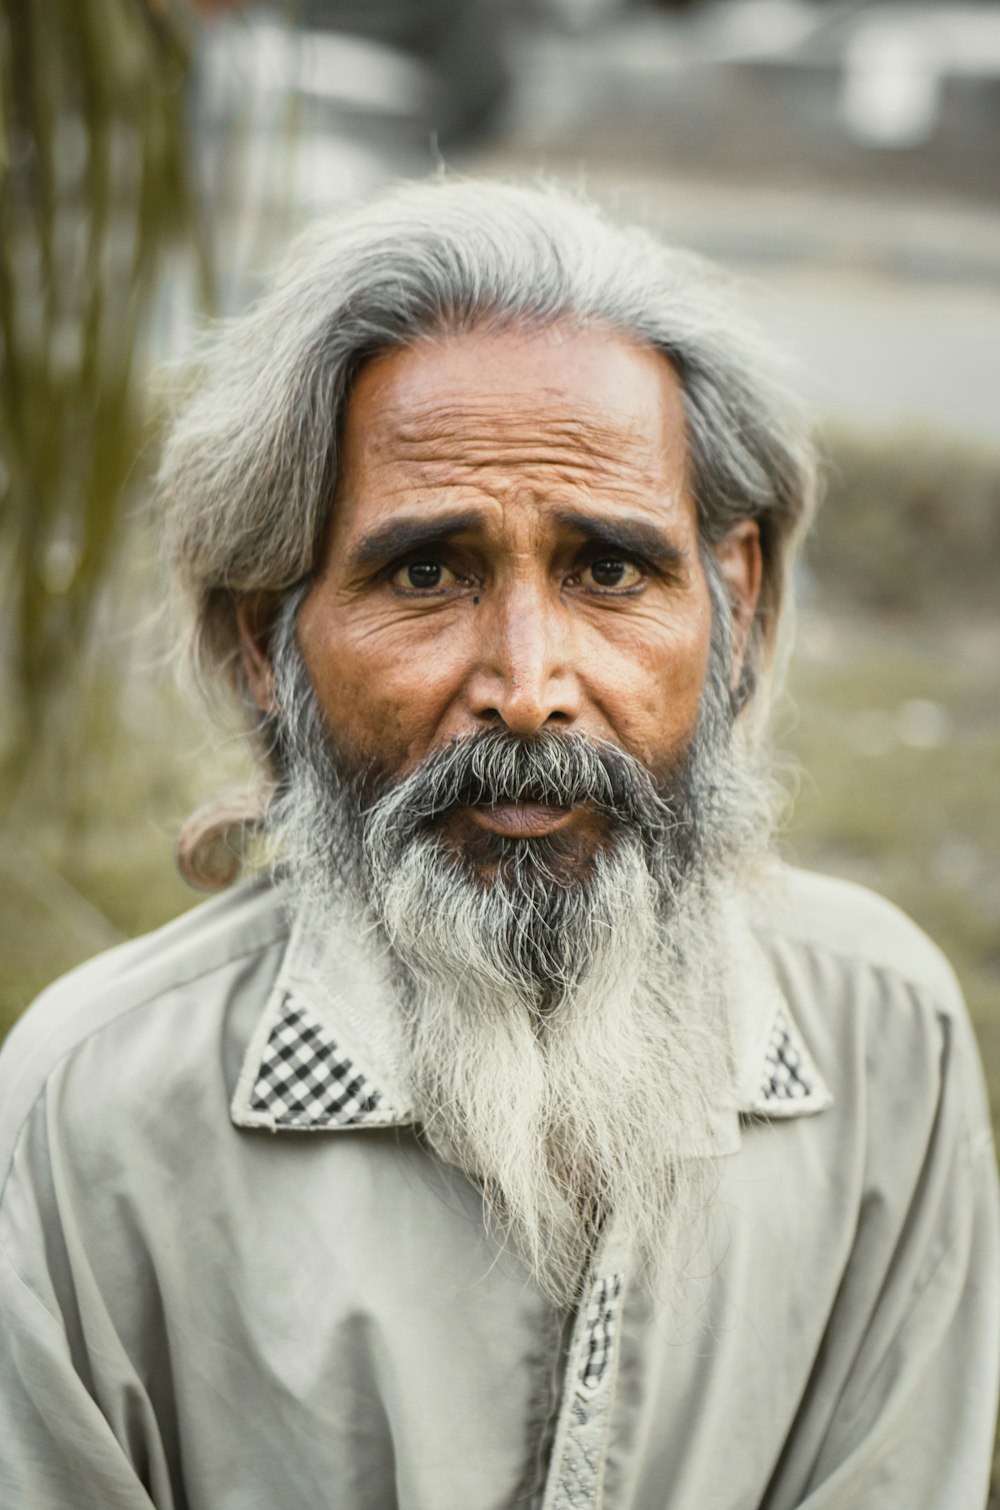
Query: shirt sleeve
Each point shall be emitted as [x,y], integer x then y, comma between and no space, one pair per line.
[57,1449]
[77,1426]
[915,1420]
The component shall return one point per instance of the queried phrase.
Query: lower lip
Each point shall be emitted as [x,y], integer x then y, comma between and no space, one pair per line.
[522,820]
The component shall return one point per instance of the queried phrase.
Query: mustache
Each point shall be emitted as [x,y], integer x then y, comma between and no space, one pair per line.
[557,770]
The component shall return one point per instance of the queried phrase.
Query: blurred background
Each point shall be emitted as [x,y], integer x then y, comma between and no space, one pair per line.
[841,159]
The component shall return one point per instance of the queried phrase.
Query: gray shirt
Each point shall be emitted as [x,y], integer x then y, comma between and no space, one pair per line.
[233,1276]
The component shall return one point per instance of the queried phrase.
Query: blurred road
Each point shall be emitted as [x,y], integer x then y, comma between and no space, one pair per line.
[889,313]
[739,131]
[859,207]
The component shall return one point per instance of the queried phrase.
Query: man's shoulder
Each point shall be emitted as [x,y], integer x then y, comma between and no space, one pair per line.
[824,915]
[123,992]
[876,1001]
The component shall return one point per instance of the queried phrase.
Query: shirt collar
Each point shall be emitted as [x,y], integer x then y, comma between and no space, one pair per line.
[329,1050]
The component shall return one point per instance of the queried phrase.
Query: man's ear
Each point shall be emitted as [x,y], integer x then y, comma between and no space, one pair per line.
[255,615]
[739,558]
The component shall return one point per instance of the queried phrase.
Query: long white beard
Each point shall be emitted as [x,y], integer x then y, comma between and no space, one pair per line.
[581,1100]
[572,1114]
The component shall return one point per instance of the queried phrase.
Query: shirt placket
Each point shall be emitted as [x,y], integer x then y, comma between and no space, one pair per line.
[579,1453]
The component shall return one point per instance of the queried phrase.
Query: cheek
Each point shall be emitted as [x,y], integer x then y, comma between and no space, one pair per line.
[376,695]
[652,678]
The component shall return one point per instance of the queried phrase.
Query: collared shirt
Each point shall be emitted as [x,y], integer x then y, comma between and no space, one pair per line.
[234,1277]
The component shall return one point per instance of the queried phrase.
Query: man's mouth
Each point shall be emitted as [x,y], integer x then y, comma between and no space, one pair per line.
[522,820]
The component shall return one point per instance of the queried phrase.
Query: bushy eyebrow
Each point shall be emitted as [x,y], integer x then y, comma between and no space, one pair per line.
[620,536]
[624,535]
[409,533]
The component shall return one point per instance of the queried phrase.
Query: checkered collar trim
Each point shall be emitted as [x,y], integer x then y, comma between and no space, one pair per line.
[789,1083]
[774,1073]
[301,1077]
[328,1051]
[322,1056]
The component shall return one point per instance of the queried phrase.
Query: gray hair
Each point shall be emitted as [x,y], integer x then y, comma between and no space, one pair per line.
[249,472]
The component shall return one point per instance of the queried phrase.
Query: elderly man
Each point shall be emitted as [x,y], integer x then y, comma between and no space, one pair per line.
[522,1133]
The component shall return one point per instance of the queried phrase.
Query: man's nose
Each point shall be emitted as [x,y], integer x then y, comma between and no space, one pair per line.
[524,676]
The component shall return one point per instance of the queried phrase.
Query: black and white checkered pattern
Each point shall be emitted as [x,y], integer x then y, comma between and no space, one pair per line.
[785,1076]
[304,1080]
[599,1327]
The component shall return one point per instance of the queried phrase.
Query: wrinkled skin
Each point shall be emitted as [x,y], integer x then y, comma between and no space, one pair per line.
[513,543]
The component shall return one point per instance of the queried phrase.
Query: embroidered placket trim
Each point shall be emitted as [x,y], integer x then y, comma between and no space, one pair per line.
[599,1334]
[576,1474]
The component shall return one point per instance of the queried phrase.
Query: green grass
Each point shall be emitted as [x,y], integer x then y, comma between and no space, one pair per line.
[87,846]
[899,745]
[910,524]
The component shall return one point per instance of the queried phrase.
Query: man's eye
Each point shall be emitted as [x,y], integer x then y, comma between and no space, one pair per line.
[422,576]
[609,571]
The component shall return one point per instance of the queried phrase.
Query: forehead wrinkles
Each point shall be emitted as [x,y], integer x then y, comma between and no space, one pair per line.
[479,432]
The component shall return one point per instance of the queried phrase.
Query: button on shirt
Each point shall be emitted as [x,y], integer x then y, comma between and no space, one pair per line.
[234,1277]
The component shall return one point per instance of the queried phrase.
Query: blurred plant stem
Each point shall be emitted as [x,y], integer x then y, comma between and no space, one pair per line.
[96,189]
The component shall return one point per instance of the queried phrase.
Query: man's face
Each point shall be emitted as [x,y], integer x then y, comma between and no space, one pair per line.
[505,721]
[514,545]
